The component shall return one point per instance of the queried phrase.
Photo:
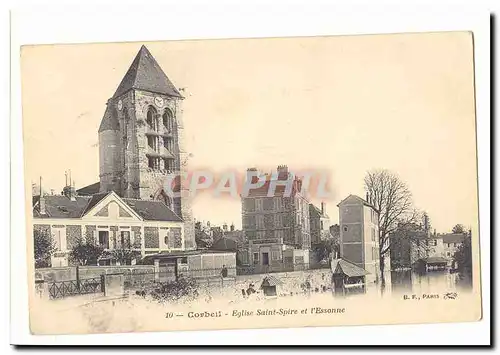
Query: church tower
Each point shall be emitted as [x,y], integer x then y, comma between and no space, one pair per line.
[141,139]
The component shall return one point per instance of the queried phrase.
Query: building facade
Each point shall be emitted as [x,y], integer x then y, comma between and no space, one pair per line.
[359,235]
[108,220]
[141,140]
[451,243]
[319,223]
[277,227]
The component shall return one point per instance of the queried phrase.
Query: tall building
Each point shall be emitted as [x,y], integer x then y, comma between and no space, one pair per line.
[319,222]
[359,234]
[277,227]
[141,140]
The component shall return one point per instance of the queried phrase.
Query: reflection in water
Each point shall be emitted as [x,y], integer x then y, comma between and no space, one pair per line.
[428,282]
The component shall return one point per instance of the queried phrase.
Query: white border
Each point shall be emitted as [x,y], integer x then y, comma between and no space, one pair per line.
[105,21]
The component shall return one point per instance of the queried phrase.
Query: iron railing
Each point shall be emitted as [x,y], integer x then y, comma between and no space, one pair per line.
[60,289]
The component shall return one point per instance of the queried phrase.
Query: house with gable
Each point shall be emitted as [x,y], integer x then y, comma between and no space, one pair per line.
[108,220]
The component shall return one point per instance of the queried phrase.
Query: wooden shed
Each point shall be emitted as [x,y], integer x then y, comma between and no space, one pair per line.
[269,285]
[347,277]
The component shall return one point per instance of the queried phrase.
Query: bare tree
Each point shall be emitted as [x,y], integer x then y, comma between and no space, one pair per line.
[393,199]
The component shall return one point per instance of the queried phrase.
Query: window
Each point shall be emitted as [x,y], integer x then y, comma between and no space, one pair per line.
[268,204]
[279,203]
[151,162]
[321,222]
[168,164]
[167,143]
[152,142]
[125,239]
[168,120]
[184,260]
[345,228]
[260,222]
[57,237]
[104,239]
[373,234]
[255,258]
[151,119]
[275,255]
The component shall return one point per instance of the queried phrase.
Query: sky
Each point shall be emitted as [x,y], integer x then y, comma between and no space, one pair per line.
[342,105]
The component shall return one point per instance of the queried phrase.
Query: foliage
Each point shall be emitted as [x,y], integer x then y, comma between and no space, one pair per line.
[203,239]
[409,240]
[463,256]
[458,229]
[124,255]
[43,248]
[335,232]
[393,199]
[175,290]
[86,254]
[325,248]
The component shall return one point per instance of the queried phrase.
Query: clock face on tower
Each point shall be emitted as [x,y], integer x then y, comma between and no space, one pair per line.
[158,101]
[120,105]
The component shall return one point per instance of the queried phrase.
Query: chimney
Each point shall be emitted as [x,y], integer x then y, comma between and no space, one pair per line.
[282,172]
[367,197]
[323,208]
[224,227]
[232,227]
[42,200]
[69,191]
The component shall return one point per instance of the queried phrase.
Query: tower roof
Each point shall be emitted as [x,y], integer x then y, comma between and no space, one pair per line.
[146,74]
[109,121]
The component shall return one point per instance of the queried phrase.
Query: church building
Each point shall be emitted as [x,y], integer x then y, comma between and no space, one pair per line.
[141,142]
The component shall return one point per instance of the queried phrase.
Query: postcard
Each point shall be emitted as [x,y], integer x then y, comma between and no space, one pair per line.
[251,183]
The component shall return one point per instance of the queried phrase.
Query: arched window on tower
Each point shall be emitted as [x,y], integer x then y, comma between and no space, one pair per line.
[151,119]
[125,127]
[168,120]
[168,125]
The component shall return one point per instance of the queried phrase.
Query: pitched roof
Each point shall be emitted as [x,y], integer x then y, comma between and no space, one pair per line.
[363,201]
[59,206]
[225,243]
[146,74]
[89,189]
[94,200]
[109,121]
[314,209]
[453,237]
[347,268]
[270,281]
[152,210]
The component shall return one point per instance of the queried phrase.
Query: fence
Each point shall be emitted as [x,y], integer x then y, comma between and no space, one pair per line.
[142,277]
[60,289]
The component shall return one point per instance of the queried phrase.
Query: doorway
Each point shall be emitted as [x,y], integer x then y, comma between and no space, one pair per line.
[265,258]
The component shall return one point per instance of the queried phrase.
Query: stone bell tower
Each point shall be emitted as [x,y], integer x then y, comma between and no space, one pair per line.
[141,139]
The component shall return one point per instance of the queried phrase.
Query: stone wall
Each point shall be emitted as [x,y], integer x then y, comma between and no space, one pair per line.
[88,272]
